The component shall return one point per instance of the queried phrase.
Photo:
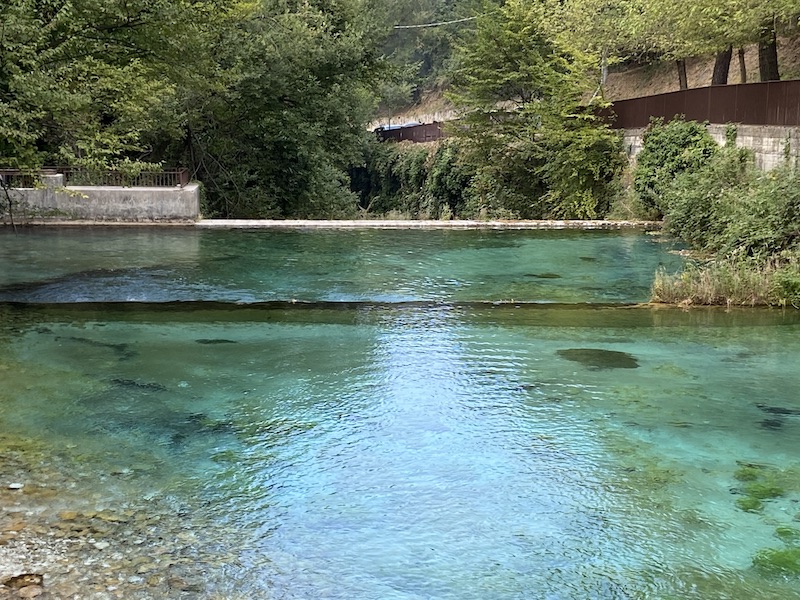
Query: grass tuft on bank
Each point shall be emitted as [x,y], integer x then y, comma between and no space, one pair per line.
[730,283]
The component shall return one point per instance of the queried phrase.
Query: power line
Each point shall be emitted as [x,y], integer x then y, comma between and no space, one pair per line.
[434,24]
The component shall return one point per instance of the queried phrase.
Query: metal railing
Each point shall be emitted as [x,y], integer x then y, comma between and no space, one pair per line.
[14,178]
[766,103]
[78,176]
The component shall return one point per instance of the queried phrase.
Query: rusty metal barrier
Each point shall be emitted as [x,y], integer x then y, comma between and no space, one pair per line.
[421,132]
[766,103]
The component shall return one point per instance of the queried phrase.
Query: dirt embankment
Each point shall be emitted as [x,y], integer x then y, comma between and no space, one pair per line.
[633,81]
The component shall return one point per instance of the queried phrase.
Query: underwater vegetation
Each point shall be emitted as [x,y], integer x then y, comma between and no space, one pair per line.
[778,561]
[778,415]
[123,350]
[598,358]
[760,483]
[789,535]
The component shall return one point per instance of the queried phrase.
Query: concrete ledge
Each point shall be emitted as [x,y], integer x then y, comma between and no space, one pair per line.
[107,204]
[399,224]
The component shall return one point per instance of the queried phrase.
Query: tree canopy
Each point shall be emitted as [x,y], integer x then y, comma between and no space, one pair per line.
[540,150]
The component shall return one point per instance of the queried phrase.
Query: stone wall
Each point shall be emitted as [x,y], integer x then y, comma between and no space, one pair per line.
[771,144]
[54,202]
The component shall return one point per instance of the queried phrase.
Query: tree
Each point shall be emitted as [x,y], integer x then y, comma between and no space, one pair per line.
[81,80]
[656,29]
[539,149]
[276,141]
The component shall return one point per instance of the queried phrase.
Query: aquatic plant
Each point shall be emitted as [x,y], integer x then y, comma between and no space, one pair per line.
[763,490]
[785,561]
[789,535]
[750,504]
[747,473]
[762,483]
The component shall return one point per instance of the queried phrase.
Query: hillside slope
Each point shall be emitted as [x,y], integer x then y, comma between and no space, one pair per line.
[630,81]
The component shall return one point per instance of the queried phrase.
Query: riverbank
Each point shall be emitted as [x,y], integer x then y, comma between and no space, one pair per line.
[359,224]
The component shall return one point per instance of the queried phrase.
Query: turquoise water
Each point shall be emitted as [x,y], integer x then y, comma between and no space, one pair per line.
[382,266]
[405,436]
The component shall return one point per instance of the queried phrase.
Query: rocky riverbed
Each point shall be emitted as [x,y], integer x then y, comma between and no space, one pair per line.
[63,536]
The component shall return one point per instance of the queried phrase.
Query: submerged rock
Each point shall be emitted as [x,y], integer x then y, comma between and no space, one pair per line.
[778,410]
[18,582]
[139,385]
[598,358]
[772,424]
[545,275]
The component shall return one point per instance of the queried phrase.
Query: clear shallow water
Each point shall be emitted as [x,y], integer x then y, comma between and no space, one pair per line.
[372,450]
[82,265]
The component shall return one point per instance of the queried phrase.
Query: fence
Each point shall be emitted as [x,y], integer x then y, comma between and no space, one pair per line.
[428,132]
[766,103]
[81,176]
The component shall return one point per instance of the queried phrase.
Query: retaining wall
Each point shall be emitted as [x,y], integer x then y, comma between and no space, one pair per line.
[771,144]
[53,202]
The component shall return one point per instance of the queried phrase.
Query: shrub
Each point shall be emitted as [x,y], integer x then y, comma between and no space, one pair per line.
[668,150]
[428,181]
[699,204]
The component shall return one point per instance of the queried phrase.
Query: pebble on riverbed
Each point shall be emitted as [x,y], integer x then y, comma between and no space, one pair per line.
[26,585]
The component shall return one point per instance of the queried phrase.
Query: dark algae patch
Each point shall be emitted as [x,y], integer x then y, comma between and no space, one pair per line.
[597,358]
[545,275]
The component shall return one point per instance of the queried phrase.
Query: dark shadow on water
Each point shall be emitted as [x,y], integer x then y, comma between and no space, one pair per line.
[598,358]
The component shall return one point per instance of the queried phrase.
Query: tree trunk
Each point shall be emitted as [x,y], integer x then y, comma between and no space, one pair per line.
[604,67]
[742,66]
[681,64]
[768,54]
[722,65]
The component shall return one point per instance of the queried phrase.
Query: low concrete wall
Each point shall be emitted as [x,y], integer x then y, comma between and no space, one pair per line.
[770,143]
[53,202]
[412,224]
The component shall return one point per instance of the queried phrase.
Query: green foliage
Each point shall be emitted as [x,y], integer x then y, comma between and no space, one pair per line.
[747,220]
[538,152]
[669,150]
[85,79]
[420,181]
[277,140]
[420,57]
[697,202]
[265,102]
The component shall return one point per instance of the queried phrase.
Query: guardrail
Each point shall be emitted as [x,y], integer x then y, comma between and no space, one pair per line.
[765,103]
[77,176]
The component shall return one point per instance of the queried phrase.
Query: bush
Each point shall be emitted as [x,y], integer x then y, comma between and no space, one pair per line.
[669,149]
[417,181]
[765,222]
[699,204]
